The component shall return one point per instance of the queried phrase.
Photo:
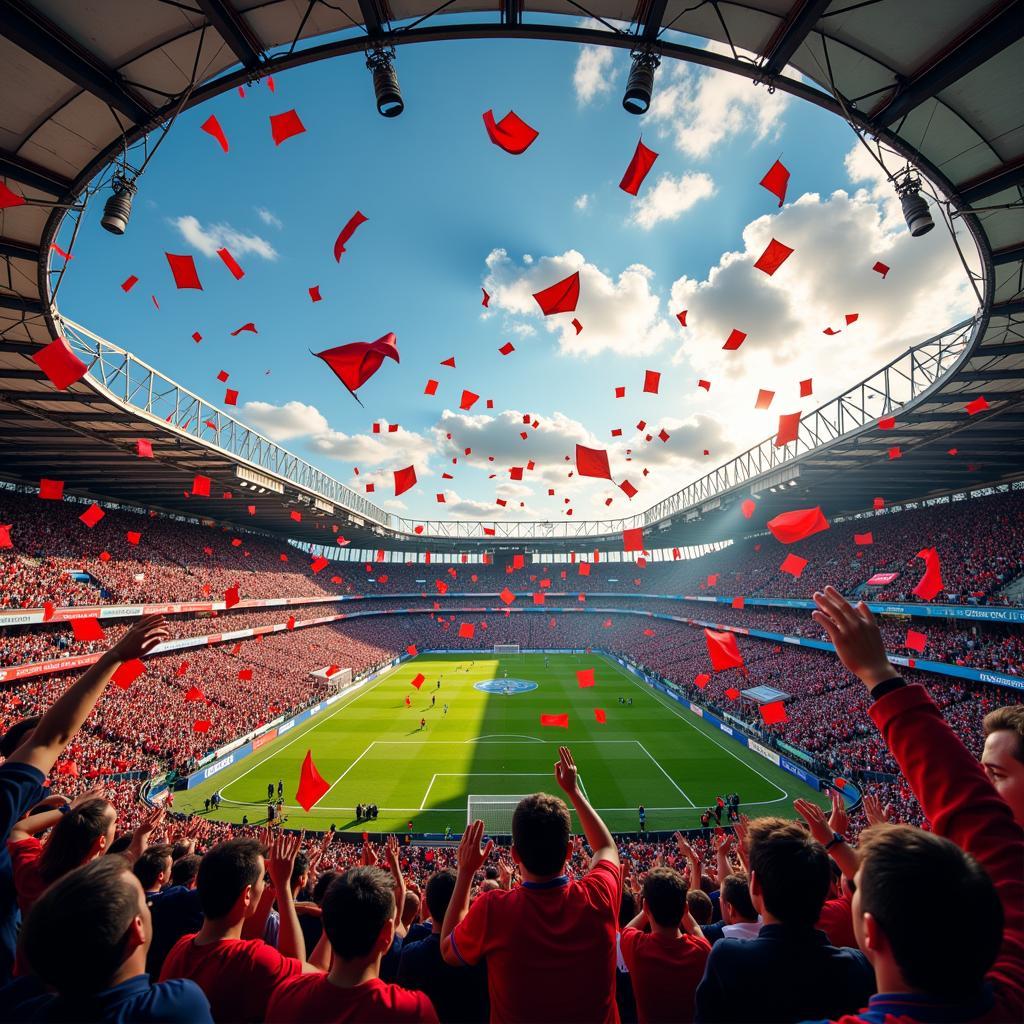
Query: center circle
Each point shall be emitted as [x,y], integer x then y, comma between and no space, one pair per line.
[505,686]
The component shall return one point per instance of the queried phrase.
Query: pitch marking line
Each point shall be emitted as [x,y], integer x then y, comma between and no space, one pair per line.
[474,775]
[658,697]
[679,788]
[308,726]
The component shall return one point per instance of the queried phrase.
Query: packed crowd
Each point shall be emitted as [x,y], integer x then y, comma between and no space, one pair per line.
[173,919]
[978,542]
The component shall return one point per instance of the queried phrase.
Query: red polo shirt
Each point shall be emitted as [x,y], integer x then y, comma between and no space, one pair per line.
[312,997]
[549,947]
[665,970]
[237,975]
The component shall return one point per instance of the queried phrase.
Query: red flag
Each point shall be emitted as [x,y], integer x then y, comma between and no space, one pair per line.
[789,428]
[284,126]
[511,133]
[346,233]
[773,257]
[633,540]
[794,565]
[748,507]
[418,680]
[775,180]
[231,263]
[723,650]
[735,339]
[561,721]
[354,364]
[774,712]
[916,641]
[87,629]
[789,527]
[701,680]
[184,270]
[202,725]
[92,515]
[585,676]
[194,693]
[638,169]
[652,381]
[931,582]
[561,297]
[312,786]
[404,479]
[880,268]
[592,462]
[212,127]
[127,672]
[60,364]
[863,539]
[599,715]
[51,490]
[250,327]
[467,630]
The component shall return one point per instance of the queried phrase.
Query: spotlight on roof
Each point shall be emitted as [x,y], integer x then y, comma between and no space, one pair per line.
[118,208]
[640,86]
[915,208]
[385,82]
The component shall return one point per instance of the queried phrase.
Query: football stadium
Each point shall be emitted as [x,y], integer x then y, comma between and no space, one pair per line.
[528,527]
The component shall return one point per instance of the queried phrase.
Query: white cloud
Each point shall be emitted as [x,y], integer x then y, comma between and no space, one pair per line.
[582,202]
[671,197]
[618,315]
[699,108]
[836,240]
[595,73]
[282,422]
[222,236]
[268,218]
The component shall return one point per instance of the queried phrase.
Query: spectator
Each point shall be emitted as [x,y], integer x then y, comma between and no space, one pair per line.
[459,994]
[359,913]
[239,975]
[35,747]
[1003,758]
[923,973]
[153,868]
[789,972]
[739,917]
[665,961]
[87,938]
[558,932]
[699,906]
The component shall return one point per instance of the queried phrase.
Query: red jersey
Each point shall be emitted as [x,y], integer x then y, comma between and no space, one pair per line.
[836,921]
[665,970]
[312,997]
[237,975]
[25,854]
[549,947]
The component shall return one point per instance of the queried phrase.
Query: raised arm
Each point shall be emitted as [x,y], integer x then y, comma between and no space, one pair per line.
[471,856]
[36,823]
[55,730]
[280,863]
[598,836]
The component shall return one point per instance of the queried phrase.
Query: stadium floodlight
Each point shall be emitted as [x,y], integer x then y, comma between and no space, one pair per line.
[385,82]
[118,208]
[915,208]
[637,98]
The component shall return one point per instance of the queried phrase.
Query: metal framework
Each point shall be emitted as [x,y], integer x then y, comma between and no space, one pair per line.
[129,382]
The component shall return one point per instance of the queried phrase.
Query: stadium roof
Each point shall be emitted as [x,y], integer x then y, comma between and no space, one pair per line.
[81,82]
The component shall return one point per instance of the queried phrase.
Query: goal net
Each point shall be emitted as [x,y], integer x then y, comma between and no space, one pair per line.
[506,648]
[494,811]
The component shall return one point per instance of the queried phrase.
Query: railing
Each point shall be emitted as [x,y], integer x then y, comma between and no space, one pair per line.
[129,381]
[908,377]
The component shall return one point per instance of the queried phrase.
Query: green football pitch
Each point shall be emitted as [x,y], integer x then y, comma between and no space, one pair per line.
[369,746]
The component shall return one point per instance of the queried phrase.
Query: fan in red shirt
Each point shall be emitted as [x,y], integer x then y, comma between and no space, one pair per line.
[666,962]
[239,975]
[358,914]
[549,943]
[907,879]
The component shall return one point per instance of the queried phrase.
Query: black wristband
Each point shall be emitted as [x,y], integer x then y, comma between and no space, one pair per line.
[887,686]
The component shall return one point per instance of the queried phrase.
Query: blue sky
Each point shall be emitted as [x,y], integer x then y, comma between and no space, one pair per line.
[442,201]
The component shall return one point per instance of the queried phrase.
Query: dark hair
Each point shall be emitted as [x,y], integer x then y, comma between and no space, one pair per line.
[908,881]
[736,892]
[490,871]
[15,736]
[540,833]
[74,936]
[440,887]
[73,836]
[120,844]
[699,904]
[356,908]
[300,867]
[225,872]
[791,868]
[150,865]
[665,892]
[179,850]
[185,869]
[1009,719]
[323,883]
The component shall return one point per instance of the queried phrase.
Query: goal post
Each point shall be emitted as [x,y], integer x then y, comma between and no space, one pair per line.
[494,811]
[506,648]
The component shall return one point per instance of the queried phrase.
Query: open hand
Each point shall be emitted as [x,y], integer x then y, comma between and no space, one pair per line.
[149,631]
[856,636]
[566,774]
[471,855]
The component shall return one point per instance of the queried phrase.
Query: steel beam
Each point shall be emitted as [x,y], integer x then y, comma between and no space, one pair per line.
[233,29]
[797,27]
[991,184]
[33,175]
[14,249]
[20,304]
